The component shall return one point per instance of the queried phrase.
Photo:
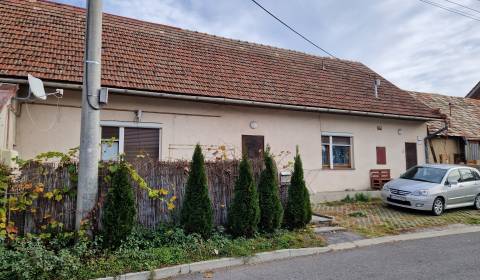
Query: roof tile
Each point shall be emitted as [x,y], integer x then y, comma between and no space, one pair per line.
[155,57]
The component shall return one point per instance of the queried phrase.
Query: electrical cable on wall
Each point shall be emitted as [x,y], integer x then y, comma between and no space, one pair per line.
[52,125]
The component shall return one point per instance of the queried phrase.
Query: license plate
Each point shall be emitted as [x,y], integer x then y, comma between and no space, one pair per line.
[397,197]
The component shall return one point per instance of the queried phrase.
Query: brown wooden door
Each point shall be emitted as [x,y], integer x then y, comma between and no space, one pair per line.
[252,146]
[411,154]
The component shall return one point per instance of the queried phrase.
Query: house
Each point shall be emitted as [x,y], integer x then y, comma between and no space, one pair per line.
[459,142]
[172,88]
[475,92]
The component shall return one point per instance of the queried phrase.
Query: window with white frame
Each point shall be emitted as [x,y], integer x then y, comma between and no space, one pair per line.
[131,139]
[337,151]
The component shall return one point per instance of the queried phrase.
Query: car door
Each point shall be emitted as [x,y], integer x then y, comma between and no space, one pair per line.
[467,185]
[473,187]
[454,193]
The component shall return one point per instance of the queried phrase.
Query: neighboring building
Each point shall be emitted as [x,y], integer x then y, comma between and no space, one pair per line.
[475,92]
[460,142]
[173,88]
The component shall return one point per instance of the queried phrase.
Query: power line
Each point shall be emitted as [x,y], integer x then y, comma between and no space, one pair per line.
[308,40]
[458,12]
[464,6]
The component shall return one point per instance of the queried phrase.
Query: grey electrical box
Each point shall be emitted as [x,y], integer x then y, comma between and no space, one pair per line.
[103,96]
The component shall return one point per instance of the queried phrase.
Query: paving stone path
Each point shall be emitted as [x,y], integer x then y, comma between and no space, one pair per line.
[376,219]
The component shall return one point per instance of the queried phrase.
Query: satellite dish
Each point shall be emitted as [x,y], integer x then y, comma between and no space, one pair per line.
[36,87]
[38,91]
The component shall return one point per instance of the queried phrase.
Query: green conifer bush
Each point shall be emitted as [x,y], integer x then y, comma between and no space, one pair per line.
[244,213]
[196,215]
[298,212]
[271,210]
[119,211]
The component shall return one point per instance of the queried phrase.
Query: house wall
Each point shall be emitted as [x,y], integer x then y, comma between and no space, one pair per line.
[186,123]
[445,149]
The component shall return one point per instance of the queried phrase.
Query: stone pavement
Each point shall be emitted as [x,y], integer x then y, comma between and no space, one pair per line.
[376,219]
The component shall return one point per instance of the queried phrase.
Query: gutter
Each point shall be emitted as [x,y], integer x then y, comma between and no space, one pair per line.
[227,101]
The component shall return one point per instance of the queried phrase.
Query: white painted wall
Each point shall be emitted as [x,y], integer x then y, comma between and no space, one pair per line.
[186,123]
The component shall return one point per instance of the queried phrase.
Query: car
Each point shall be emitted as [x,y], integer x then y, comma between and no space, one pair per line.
[434,188]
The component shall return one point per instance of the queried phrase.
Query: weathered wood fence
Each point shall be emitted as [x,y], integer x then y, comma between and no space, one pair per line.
[171,176]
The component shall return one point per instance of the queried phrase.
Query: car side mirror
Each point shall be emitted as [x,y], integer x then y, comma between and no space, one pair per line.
[452,183]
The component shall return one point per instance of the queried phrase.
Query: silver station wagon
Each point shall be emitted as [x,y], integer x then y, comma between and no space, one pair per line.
[434,187]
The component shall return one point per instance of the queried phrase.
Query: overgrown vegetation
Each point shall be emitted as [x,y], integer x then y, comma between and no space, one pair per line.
[119,209]
[197,213]
[31,258]
[298,212]
[358,197]
[4,182]
[244,212]
[54,253]
[271,210]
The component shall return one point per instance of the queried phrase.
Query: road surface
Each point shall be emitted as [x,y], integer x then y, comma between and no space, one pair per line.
[454,257]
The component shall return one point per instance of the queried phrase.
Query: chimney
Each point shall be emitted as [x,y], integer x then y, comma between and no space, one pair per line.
[376,84]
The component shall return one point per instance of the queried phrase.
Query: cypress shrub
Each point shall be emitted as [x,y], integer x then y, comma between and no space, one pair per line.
[298,212]
[271,211]
[119,210]
[244,214]
[196,215]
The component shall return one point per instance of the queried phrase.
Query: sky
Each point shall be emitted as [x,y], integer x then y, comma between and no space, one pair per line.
[414,45]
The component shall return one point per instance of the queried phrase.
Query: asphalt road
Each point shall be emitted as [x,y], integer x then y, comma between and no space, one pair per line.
[454,257]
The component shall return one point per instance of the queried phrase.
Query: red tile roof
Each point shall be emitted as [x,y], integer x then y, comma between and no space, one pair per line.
[463,114]
[46,40]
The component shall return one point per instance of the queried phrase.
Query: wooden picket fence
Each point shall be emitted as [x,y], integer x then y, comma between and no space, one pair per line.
[171,176]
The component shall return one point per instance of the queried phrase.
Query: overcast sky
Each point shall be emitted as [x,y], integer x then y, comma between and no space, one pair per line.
[414,45]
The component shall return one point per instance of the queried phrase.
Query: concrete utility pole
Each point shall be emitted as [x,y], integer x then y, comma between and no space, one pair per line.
[90,127]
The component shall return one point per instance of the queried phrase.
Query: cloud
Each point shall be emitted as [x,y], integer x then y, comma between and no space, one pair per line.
[414,45]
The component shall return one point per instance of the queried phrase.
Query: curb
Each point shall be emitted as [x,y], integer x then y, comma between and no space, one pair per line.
[203,266]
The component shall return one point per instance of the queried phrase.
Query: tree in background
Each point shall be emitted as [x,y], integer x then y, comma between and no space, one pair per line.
[197,214]
[244,213]
[271,211]
[119,210]
[298,212]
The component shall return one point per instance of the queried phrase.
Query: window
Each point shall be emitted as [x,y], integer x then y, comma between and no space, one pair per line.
[454,176]
[253,146]
[467,175]
[336,152]
[131,141]
[381,155]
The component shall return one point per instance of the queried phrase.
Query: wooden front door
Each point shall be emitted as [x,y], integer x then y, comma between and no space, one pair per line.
[252,146]
[411,154]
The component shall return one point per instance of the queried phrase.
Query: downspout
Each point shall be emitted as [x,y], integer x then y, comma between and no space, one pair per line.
[430,136]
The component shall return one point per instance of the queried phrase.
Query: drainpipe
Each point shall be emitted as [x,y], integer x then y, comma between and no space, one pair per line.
[430,136]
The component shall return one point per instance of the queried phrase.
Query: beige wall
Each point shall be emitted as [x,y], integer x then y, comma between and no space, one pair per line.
[186,123]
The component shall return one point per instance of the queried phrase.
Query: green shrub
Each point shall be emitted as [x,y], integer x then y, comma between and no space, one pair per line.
[298,212]
[361,197]
[196,214]
[119,209]
[144,250]
[358,197]
[271,211]
[348,199]
[244,213]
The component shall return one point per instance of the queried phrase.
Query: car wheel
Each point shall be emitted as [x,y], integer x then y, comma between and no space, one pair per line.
[438,206]
[477,202]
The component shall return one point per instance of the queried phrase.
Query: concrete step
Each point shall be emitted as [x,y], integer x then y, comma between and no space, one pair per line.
[321,220]
[328,229]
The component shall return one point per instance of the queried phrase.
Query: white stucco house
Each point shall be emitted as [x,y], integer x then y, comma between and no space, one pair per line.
[172,88]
